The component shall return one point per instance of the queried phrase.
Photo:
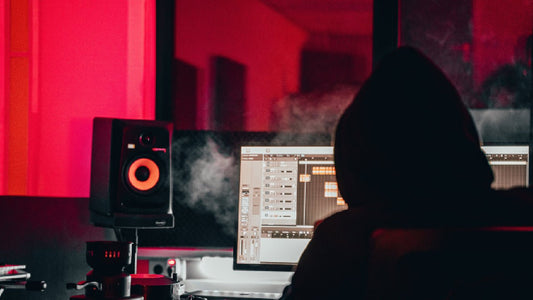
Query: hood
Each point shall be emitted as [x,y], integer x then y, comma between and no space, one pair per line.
[407,136]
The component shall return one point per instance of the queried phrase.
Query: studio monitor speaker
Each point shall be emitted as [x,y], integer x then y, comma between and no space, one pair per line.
[131,183]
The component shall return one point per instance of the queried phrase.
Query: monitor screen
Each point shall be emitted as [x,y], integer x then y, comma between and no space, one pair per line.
[510,165]
[283,193]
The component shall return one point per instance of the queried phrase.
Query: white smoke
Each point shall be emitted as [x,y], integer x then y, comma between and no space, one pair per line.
[207,177]
[316,112]
[502,125]
[207,182]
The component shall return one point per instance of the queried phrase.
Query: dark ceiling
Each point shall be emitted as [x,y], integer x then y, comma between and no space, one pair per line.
[338,17]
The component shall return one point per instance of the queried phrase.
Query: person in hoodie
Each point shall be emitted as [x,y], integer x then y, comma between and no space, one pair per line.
[407,154]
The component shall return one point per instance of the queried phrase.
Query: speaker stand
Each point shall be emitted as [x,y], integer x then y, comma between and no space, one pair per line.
[129,235]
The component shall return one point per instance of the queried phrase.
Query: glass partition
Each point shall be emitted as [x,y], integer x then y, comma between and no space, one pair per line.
[485,49]
[268,65]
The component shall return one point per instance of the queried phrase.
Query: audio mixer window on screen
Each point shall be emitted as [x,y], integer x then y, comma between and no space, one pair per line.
[283,192]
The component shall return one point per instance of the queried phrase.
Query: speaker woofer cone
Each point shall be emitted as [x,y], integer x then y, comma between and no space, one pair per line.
[143,175]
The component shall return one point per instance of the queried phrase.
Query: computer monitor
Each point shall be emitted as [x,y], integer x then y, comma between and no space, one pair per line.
[510,165]
[283,192]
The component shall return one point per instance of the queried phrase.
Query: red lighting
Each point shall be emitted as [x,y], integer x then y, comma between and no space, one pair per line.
[171,262]
[146,276]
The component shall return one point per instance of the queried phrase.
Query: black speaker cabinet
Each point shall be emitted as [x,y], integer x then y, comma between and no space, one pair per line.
[131,183]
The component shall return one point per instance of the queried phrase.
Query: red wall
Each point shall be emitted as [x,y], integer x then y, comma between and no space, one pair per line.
[250,33]
[86,58]
[3,122]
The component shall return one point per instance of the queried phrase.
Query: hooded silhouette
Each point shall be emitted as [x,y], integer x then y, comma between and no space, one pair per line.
[407,154]
[406,132]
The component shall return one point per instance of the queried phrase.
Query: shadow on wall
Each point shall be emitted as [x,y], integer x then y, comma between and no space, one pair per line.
[47,235]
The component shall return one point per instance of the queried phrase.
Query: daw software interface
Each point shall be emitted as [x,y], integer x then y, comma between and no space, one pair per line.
[284,191]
